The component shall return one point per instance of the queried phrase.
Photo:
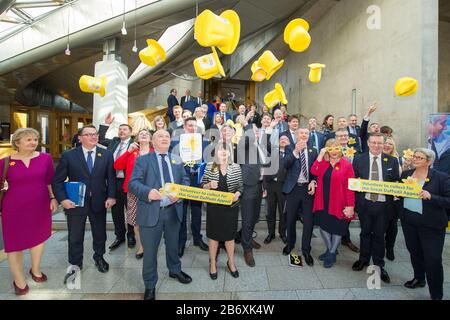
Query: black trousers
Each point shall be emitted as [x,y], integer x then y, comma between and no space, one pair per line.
[276,199]
[299,200]
[250,210]
[392,226]
[76,224]
[118,212]
[346,237]
[425,246]
[373,228]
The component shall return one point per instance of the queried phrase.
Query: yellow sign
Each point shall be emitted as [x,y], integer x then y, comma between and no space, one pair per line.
[197,194]
[397,189]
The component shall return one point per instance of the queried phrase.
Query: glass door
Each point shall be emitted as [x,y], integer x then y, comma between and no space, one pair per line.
[43,124]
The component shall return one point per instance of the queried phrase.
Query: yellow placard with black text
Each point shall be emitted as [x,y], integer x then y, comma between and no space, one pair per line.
[407,190]
[197,194]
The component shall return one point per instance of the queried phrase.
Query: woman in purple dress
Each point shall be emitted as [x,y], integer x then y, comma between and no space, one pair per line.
[27,206]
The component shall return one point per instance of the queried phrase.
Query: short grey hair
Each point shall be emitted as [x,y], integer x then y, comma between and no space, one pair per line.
[22,132]
[431,156]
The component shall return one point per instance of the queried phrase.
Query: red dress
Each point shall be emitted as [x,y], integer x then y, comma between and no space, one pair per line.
[26,214]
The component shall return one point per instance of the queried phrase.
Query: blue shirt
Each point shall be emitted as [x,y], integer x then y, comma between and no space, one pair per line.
[414,205]
[165,201]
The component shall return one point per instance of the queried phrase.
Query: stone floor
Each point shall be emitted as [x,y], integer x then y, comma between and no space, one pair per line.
[272,278]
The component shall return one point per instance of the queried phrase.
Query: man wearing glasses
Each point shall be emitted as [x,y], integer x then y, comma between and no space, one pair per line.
[373,208]
[94,167]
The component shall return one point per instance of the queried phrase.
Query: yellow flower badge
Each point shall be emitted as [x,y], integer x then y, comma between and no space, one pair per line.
[408,154]
[351,141]
[410,180]
[349,152]
[173,161]
[385,159]
[99,155]
[427,179]
[12,163]
[336,168]
[189,164]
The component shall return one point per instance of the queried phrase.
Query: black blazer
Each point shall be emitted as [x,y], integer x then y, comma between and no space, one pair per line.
[111,144]
[434,214]
[171,102]
[288,134]
[361,167]
[293,167]
[100,184]
[183,99]
[282,172]
[443,162]
[320,138]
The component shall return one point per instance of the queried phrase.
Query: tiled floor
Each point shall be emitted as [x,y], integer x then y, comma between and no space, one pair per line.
[272,278]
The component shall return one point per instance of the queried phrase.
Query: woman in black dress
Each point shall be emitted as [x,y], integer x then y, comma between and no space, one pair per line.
[221,220]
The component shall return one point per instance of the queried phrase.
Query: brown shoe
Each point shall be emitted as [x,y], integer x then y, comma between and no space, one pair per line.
[248,257]
[352,247]
[255,245]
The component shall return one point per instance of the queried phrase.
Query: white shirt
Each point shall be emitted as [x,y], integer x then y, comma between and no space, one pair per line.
[85,152]
[294,138]
[201,126]
[301,178]
[381,197]
[119,173]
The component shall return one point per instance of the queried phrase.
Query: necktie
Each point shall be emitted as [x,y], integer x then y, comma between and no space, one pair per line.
[374,176]
[313,137]
[303,165]
[90,162]
[165,169]
[294,138]
[119,150]
[433,147]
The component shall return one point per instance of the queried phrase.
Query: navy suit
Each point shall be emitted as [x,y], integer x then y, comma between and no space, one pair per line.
[374,216]
[425,233]
[288,134]
[100,185]
[152,219]
[320,141]
[356,145]
[297,198]
[171,102]
[227,116]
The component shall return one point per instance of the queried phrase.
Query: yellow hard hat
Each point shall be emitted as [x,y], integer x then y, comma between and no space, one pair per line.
[152,54]
[223,32]
[93,85]
[267,64]
[315,73]
[208,66]
[405,87]
[296,35]
[275,96]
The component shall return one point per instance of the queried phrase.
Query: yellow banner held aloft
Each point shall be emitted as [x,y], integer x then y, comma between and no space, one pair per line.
[396,189]
[197,194]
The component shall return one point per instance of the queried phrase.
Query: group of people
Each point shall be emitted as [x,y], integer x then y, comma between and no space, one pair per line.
[303,172]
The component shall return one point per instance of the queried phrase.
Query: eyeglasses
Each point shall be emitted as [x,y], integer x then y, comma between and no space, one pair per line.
[419,158]
[90,135]
[334,149]
[376,143]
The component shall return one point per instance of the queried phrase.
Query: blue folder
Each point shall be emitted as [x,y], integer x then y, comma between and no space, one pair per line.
[76,192]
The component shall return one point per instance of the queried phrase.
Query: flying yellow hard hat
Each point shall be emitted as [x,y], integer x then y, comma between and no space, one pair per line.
[93,85]
[315,73]
[208,66]
[275,96]
[405,87]
[223,32]
[152,54]
[296,35]
[266,66]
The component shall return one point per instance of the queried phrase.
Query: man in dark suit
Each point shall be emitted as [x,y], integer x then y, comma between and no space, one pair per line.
[92,166]
[223,112]
[171,102]
[292,128]
[199,99]
[363,131]
[374,209]
[254,117]
[252,155]
[316,139]
[299,187]
[186,98]
[353,139]
[273,184]
[158,213]
[118,146]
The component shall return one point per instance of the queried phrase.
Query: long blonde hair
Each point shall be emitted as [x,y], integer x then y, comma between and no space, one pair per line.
[394,152]
[153,124]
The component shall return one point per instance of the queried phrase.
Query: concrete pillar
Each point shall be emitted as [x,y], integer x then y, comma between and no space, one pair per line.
[116,93]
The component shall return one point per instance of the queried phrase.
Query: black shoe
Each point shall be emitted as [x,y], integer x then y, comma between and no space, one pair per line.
[131,242]
[238,237]
[284,239]
[415,283]
[234,274]
[181,251]
[139,256]
[203,246]
[384,275]
[213,276]
[116,244]
[308,259]
[269,239]
[149,294]
[359,265]
[390,255]
[351,246]
[287,250]
[102,265]
[182,277]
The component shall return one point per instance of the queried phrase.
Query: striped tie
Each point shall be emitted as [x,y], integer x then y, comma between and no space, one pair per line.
[303,164]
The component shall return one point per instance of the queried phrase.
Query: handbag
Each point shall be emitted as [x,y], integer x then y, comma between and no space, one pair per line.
[4,183]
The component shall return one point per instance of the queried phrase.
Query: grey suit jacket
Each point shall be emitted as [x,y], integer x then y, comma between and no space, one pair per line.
[145,177]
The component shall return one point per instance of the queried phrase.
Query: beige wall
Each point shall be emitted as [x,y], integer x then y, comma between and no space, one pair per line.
[365,60]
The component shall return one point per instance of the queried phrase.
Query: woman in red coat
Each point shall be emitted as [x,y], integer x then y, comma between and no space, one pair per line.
[140,147]
[333,202]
